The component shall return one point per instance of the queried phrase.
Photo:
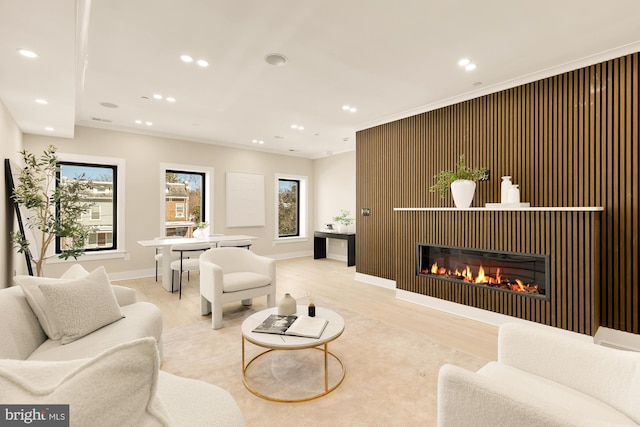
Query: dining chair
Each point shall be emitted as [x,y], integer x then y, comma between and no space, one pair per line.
[189,260]
[158,256]
[235,244]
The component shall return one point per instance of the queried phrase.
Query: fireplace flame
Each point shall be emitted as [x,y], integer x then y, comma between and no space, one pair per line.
[482,278]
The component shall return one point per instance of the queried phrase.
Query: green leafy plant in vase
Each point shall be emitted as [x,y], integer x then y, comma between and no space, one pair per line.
[461,180]
[343,220]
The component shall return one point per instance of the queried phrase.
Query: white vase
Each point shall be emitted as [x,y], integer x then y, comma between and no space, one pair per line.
[462,191]
[201,233]
[505,186]
[287,305]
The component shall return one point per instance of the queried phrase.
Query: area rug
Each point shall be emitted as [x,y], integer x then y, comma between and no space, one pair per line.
[391,373]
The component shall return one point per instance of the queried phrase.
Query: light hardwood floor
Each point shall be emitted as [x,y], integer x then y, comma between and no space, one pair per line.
[332,280]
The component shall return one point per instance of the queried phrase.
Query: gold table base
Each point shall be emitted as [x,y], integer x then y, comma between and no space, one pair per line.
[324,348]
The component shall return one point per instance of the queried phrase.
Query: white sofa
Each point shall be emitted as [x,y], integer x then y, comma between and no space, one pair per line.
[115,366]
[543,378]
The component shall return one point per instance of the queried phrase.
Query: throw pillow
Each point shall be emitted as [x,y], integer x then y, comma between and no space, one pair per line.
[76,271]
[115,388]
[82,306]
[36,300]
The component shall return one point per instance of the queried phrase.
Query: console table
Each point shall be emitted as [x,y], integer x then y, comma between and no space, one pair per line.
[320,245]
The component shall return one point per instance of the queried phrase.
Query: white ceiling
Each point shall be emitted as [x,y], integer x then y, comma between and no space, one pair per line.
[390,59]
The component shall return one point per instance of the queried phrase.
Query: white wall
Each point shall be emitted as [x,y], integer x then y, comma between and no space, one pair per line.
[10,146]
[335,189]
[143,155]
[333,178]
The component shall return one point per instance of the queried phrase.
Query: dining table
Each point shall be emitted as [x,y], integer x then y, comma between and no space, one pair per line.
[164,246]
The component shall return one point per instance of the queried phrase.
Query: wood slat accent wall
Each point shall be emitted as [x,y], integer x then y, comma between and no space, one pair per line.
[568,238]
[568,140]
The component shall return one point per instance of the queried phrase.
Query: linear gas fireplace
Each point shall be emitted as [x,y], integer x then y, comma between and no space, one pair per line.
[525,274]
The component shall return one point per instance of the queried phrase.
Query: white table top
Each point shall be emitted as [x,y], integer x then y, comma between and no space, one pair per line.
[334,329]
[185,240]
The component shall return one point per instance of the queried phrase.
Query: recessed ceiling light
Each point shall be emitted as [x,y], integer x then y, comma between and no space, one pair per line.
[148,123]
[276,59]
[49,128]
[28,53]
[138,122]
[258,141]
[349,108]
[42,101]
[157,96]
[470,67]
[170,99]
[186,58]
[298,127]
[464,62]
[202,63]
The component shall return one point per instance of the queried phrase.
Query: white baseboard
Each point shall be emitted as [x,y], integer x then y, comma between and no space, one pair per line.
[617,339]
[477,314]
[377,281]
[290,255]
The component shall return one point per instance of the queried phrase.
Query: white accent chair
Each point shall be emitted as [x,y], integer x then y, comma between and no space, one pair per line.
[543,378]
[234,274]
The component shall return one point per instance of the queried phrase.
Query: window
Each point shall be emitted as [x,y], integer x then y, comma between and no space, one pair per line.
[185,204]
[291,206]
[102,194]
[288,207]
[179,210]
[95,213]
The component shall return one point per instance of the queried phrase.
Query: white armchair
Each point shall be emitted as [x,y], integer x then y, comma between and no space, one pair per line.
[234,274]
[543,378]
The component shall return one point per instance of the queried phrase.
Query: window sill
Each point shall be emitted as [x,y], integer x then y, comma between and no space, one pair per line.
[283,240]
[91,256]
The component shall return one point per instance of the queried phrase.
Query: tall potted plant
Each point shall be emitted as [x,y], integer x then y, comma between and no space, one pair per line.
[53,208]
[462,181]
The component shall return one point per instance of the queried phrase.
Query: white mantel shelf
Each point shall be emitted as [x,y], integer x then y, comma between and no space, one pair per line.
[531,209]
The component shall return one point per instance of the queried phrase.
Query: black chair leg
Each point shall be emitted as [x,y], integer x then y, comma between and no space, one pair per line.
[180,288]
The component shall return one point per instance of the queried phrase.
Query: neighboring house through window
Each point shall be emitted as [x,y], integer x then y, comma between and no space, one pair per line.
[291,206]
[102,216]
[186,198]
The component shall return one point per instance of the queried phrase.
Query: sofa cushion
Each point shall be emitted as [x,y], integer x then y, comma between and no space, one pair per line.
[197,403]
[117,387]
[81,306]
[20,330]
[234,282]
[142,319]
[38,302]
[545,393]
[76,271]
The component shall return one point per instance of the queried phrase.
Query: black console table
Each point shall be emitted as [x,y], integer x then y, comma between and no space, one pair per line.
[320,245]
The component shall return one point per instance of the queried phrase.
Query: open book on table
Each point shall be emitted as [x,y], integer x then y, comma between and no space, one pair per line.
[300,326]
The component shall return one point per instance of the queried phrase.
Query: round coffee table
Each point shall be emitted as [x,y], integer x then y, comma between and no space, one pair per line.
[273,342]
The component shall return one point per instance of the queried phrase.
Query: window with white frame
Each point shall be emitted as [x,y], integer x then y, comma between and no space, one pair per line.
[103,194]
[186,198]
[179,210]
[291,206]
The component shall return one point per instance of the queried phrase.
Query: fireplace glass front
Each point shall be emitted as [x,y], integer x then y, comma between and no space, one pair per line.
[525,274]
